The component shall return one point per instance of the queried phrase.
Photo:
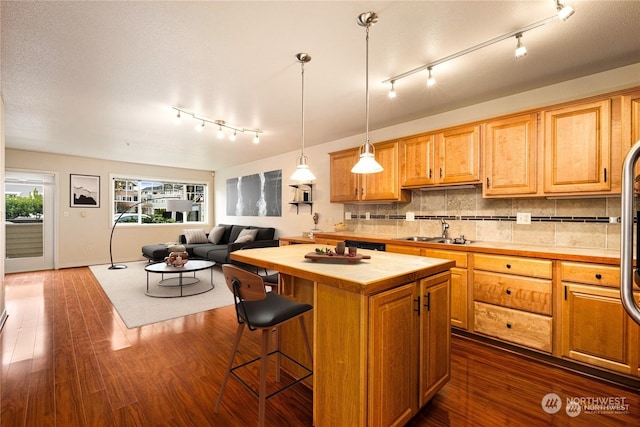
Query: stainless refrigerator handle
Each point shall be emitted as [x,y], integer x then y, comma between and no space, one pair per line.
[626,240]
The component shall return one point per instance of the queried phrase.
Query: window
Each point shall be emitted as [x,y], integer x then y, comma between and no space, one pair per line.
[139,201]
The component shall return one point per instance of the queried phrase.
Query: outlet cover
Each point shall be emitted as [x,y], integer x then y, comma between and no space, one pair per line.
[367,215]
[347,215]
[410,216]
[523,218]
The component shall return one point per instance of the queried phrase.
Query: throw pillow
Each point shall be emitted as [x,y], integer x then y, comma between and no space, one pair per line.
[216,234]
[246,235]
[196,235]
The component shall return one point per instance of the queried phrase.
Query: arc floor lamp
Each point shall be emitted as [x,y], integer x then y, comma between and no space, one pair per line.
[179,205]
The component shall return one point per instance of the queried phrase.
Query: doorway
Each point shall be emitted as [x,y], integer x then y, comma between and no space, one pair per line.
[29,221]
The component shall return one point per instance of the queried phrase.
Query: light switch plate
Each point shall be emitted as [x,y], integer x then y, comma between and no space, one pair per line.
[347,215]
[410,216]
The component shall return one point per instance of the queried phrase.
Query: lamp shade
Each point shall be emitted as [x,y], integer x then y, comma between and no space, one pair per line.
[179,205]
[367,164]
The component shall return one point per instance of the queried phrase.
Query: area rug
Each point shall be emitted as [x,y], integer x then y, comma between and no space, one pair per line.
[126,290]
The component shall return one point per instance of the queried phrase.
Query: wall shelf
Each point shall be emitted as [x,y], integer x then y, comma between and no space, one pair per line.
[307,196]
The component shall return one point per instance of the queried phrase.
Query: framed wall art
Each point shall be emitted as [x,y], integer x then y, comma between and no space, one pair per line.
[84,191]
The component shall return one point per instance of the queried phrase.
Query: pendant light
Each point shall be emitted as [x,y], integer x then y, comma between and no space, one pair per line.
[367,162]
[302,173]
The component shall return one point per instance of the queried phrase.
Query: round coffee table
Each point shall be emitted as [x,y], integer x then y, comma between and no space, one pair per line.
[181,281]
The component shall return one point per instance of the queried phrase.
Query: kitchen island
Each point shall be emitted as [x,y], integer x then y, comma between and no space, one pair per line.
[380,331]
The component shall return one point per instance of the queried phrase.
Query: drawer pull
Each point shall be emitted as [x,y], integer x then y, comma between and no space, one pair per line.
[598,276]
[508,265]
[508,291]
[508,325]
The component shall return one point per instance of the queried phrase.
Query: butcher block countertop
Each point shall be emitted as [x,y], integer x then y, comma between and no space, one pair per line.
[594,255]
[384,270]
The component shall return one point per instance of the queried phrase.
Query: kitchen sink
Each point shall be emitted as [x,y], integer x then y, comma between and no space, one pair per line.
[456,241]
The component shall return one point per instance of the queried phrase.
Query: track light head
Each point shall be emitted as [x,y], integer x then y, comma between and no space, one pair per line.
[521,50]
[256,139]
[564,11]
[431,82]
[392,91]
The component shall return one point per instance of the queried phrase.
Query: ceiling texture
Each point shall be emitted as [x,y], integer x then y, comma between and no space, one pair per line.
[98,78]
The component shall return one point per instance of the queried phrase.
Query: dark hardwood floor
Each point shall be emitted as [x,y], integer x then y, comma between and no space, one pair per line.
[68,360]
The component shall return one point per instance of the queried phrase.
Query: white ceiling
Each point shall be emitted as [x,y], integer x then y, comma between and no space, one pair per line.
[97,79]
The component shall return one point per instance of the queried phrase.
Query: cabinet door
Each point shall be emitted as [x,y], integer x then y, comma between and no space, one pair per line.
[384,185]
[459,156]
[459,301]
[435,335]
[577,148]
[510,156]
[393,350]
[345,186]
[595,327]
[417,161]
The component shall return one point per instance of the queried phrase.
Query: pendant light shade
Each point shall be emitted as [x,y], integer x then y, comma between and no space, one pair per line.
[302,172]
[367,162]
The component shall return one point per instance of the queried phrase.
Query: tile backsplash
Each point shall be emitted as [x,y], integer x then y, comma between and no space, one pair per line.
[583,222]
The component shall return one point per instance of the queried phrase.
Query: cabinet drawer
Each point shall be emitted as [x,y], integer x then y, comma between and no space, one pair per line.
[459,257]
[540,268]
[590,274]
[519,292]
[519,327]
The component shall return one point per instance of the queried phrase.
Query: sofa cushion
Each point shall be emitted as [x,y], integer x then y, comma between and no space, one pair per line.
[235,232]
[196,235]
[216,233]
[246,235]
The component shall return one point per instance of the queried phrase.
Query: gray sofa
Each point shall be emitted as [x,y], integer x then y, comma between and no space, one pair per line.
[218,252]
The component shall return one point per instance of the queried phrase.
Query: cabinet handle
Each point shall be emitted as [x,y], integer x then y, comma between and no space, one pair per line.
[508,325]
[355,192]
[508,265]
[565,293]
[429,173]
[605,174]
[488,186]
[440,172]
[598,276]
[417,309]
[508,291]
[428,301]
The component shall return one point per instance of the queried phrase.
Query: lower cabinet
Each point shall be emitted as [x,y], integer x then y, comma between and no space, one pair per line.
[595,327]
[513,300]
[409,347]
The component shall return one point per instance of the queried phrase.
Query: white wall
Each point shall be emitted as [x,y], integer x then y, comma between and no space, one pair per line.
[3,311]
[291,224]
[82,234]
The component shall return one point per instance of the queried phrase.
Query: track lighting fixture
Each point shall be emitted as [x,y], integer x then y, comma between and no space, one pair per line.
[431,82]
[563,13]
[392,91]
[302,172]
[222,125]
[367,162]
[256,139]
[521,50]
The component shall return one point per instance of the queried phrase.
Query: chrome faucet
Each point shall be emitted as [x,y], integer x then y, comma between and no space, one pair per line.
[445,227]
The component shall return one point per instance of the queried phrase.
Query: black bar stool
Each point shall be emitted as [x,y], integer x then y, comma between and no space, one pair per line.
[265,311]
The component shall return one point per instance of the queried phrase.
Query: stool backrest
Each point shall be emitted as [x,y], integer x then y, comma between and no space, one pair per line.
[245,285]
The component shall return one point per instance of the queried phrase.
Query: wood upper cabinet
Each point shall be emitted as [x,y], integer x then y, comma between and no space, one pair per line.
[459,155]
[409,347]
[445,158]
[417,160]
[345,186]
[510,156]
[382,186]
[577,148]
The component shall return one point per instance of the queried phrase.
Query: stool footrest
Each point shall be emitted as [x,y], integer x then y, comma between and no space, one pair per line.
[252,390]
